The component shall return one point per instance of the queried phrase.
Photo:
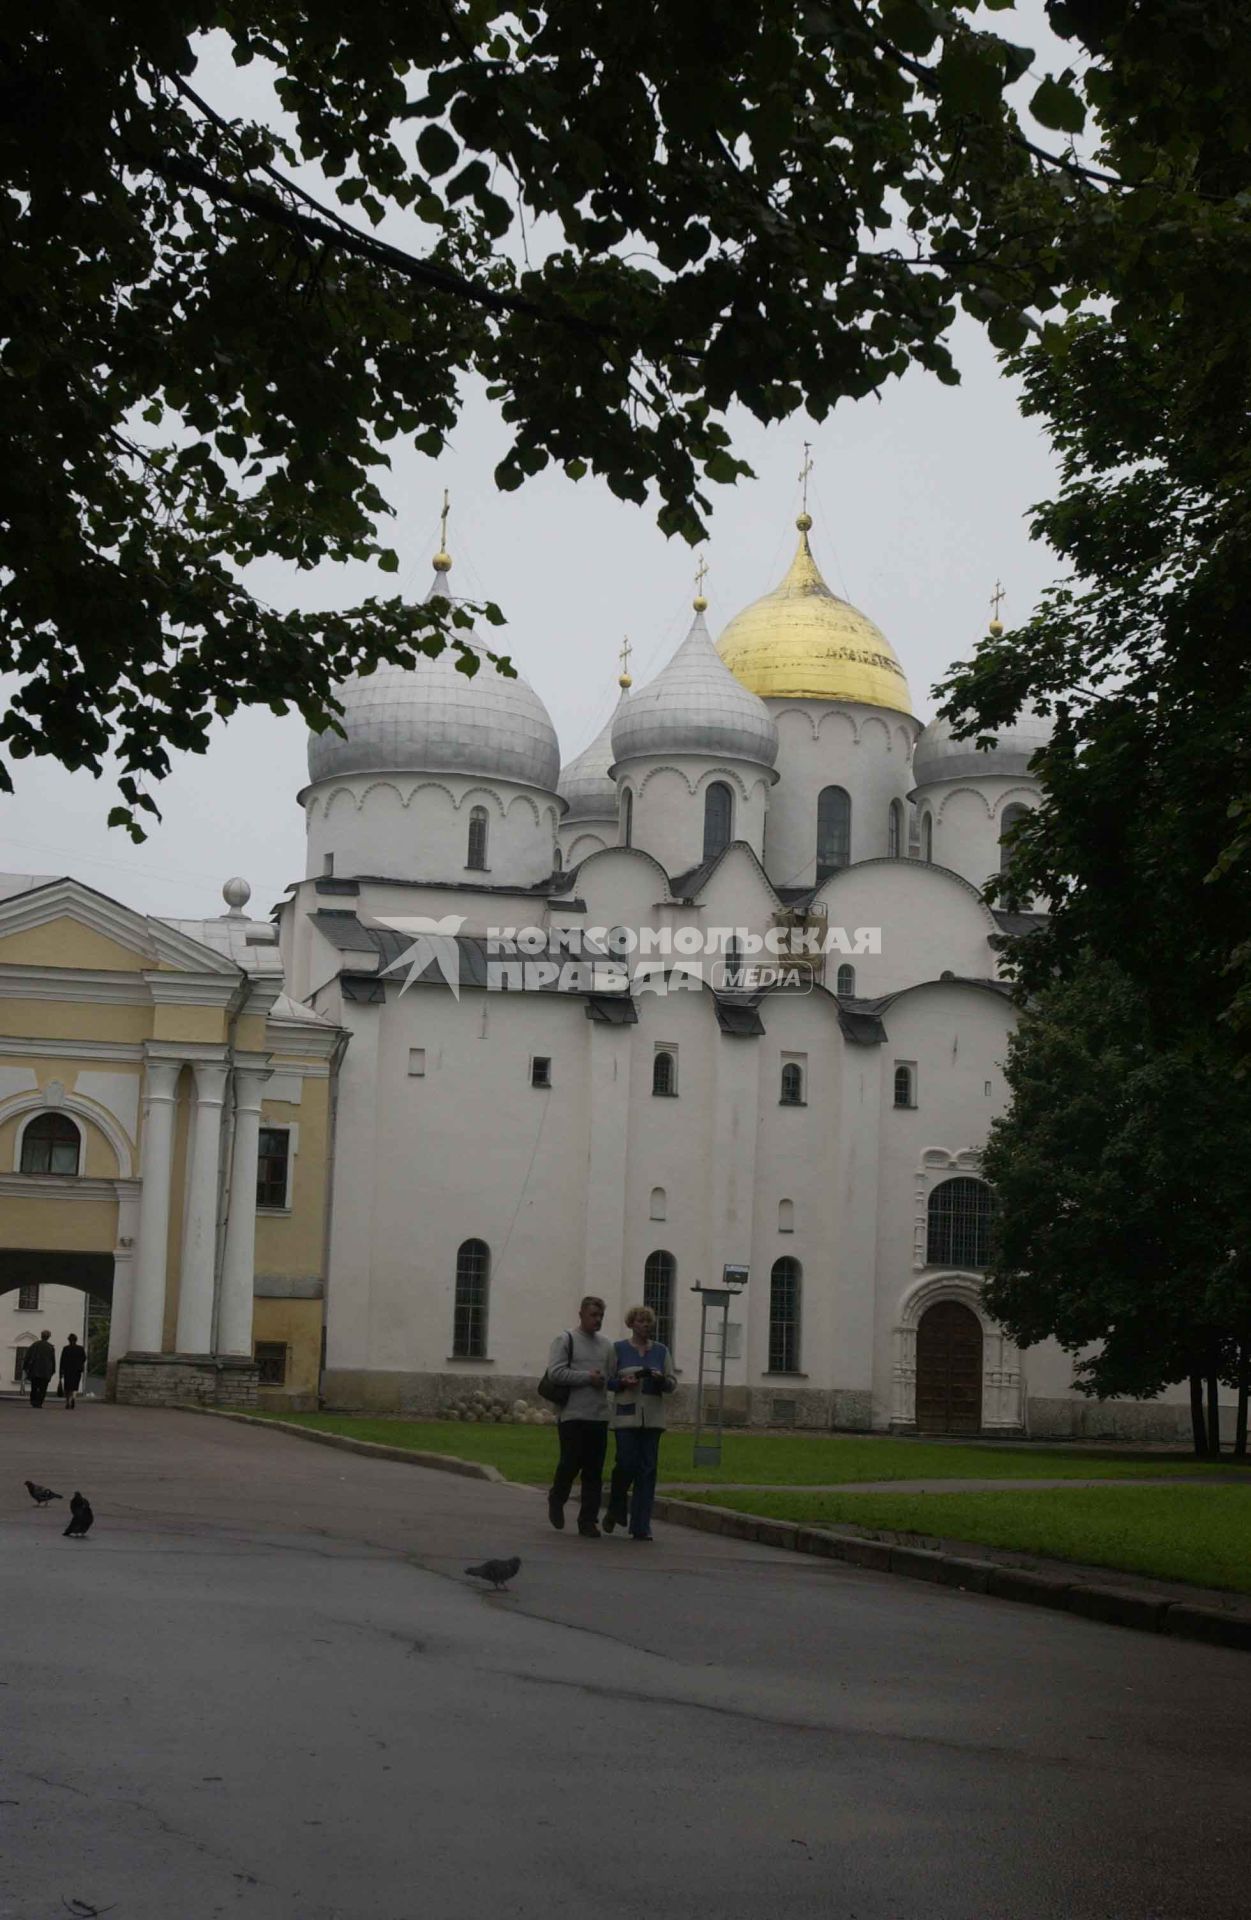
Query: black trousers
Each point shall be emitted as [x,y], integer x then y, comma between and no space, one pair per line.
[38,1388]
[583,1444]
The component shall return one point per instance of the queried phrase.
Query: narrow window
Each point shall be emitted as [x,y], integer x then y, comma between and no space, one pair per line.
[903,1085]
[894,830]
[660,1273]
[28,1299]
[718,819]
[473,1279]
[327,866]
[51,1144]
[1010,817]
[833,831]
[558,860]
[960,1215]
[627,818]
[786,1216]
[792,1085]
[784,1284]
[271,1363]
[659,1204]
[845,985]
[273,1167]
[476,856]
[416,1062]
[540,1071]
[927,837]
[664,1072]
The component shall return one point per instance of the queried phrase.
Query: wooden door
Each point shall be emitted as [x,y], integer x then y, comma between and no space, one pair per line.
[949,1370]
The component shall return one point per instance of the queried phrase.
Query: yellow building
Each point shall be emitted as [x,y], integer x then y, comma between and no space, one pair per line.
[166,1117]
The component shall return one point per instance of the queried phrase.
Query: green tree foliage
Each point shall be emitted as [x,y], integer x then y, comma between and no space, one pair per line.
[624,219]
[1124,1209]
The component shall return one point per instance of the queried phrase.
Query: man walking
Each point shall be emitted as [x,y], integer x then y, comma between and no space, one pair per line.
[72,1364]
[40,1367]
[582,1360]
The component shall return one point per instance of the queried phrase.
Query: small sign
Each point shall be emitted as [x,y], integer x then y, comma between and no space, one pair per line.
[733,1276]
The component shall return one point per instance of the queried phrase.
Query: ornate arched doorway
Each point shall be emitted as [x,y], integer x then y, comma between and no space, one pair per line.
[949,1370]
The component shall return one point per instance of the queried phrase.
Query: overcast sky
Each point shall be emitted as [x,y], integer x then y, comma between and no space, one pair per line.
[920,501]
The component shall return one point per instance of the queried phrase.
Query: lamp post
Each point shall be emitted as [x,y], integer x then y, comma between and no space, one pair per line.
[707,1453]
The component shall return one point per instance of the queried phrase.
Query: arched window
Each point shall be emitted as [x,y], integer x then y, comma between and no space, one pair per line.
[51,1144]
[1008,820]
[476,855]
[894,830]
[927,836]
[473,1281]
[960,1213]
[833,831]
[664,1073]
[659,1206]
[792,1085]
[558,860]
[903,1086]
[660,1275]
[845,984]
[784,1285]
[718,819]
[627,817]
[786,1216]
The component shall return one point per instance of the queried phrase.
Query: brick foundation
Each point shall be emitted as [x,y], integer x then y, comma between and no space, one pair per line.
[186,1380]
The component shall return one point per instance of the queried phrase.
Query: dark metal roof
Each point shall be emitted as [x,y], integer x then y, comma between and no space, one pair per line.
[613,1009]
[738,1017]
[1019,923]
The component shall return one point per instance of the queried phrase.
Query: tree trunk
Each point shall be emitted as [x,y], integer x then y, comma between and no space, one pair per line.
[1214,1407]
[1244,1384]
[1197,1427]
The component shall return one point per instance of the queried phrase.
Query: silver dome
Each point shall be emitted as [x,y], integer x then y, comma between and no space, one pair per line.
[939,757]
[433,719]
[586,783]
[695,705]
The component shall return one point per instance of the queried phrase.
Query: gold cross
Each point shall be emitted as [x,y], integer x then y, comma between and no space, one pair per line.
[805,470]
[443,523]
[626,651]
[701,574]
[997,598]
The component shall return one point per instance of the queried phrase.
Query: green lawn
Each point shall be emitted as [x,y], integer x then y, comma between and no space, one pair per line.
[1199,1534]
[526,1454]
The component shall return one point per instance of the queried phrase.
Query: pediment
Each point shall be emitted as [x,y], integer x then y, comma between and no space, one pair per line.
[68,925]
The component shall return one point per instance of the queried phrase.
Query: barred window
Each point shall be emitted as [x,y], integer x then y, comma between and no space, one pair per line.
[28,1298]
[845,984]
[833,831]
[271,1363]
[718,819]
[51,1144]
[960,1213]
[792,1085]
[927,836]
[273,1167]
[664,1073]
[476,856]
[894,830]
[903,1086]
[473,1280]
[784,1285]
[627,818]
[1010,817]
[660,1275]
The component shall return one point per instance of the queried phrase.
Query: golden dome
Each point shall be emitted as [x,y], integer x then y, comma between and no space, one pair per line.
[801,642]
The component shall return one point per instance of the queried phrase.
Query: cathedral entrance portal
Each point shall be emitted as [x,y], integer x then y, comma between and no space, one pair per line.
[949,1370]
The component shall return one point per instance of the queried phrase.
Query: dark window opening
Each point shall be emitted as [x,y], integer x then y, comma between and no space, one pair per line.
[784,1284]
[51,1144]
[271,1363]
[792,1085]
[833,831]
[473,1278]
[960,1215]
[664,1074]
[718,819]
[273,1165]
[660,1273]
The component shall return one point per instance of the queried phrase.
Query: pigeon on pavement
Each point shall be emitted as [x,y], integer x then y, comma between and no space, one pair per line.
[498,1572]
[41,1495]
[80,1507]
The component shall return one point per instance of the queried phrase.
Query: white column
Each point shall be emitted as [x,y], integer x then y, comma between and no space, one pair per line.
[234,1313]
[199,1244]
[147,1312]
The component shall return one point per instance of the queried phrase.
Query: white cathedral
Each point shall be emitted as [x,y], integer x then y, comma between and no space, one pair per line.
[503,1145]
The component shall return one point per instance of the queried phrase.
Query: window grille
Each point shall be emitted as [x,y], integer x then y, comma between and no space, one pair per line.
[51,1144]
[473,1279]
[845,984]
[273,1166]
[903,1086]
[718,819]
[784,1284]
[476,856]
[664,1073]
[960,1215]
[660,1274]
[271,1363]
[792,1085]
[894,830]
[833,831]
[540,1071]
[28,1299]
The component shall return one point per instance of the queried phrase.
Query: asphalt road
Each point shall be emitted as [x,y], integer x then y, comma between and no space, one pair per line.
[264,1687]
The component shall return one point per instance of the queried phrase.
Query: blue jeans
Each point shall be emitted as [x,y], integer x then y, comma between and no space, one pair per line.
[638,1450]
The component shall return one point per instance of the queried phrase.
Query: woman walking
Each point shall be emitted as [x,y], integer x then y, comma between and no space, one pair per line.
[643,1376]
[72,1365]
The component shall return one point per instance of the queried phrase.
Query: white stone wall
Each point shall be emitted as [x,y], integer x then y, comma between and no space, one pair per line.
[967,818]
[669,801]
[930,923]
[416,827]
[866,750]
[61,1310]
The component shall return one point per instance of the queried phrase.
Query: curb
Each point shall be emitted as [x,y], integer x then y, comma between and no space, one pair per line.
[1113,1606]
[374,1449]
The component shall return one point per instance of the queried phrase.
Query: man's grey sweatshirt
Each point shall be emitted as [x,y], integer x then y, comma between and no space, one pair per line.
[590,1350]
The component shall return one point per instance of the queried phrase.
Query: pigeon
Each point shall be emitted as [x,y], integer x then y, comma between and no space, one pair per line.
[80,1507]
[498,1572]
[42,1495]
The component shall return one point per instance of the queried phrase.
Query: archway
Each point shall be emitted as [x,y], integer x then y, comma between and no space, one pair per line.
[949,1369]
[40,1283]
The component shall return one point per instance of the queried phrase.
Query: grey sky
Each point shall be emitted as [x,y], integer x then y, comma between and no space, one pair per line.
[919,501]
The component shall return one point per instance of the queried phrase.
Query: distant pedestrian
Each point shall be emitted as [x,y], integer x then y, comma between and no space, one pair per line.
[73,1365]
[581,1360]
[641,1377]
[39,1367]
